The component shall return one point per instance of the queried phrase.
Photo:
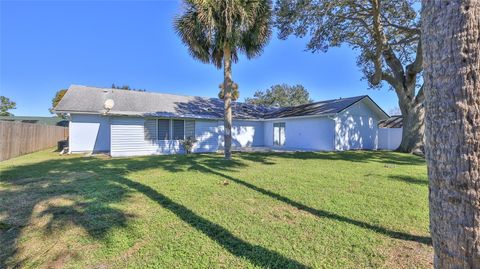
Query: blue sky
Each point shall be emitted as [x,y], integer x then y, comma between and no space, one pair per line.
[48,45]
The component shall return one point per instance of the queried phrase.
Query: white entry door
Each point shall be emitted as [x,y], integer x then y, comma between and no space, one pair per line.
[279,134]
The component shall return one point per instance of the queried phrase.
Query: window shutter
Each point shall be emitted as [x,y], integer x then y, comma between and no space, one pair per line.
[150,129]
[189,128]
[163,129]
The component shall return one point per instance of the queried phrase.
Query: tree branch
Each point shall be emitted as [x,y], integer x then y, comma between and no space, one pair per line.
[415,30]
[393,62]
[420,95]
[380,40]
[406,40]
[413,69]
[391,80]
[417,66]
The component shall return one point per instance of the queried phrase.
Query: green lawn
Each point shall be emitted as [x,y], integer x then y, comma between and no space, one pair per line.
[261,210]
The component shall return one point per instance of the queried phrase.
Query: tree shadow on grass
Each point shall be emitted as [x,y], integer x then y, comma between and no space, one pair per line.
[409,179]
[257,255]
[80,191]
[212,164]
[360,156]
[66,192]
[319,213]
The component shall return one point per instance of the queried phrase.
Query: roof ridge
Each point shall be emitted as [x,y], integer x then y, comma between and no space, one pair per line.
[141,92]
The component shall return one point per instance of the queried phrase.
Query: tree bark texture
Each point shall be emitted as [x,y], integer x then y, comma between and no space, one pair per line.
[227,86]
[451,39]
[413,131]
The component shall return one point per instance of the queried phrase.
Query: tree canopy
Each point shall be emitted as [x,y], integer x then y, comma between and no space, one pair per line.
[5,105]
[207,27]
[281,95]
[386,33]
[125,87]
[56,99]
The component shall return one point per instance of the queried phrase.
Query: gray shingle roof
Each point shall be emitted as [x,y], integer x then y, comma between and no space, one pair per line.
[91,100]
[316,108]
[392,122]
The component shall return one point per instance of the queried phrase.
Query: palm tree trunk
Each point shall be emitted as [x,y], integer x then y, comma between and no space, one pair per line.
[227,86]
[451,34]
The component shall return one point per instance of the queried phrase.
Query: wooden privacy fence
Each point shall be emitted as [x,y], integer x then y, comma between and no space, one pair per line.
[18,138]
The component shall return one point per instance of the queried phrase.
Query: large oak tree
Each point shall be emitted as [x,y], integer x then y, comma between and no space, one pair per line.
[451,40]
[385,33]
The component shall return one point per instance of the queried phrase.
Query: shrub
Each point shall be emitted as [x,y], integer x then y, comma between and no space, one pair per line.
[188,144]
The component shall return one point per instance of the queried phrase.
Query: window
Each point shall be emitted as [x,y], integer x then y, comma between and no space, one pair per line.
[189,128]
[166,129]
[178,129]
[279,134]
[163,129]
[150,129]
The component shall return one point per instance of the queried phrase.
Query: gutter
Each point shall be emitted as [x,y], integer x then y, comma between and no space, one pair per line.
[180,117]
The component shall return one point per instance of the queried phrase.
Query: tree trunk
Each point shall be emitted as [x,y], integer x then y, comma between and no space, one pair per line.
[227,99]
[451,38]
[413,127]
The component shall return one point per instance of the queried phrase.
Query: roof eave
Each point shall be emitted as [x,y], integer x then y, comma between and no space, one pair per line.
[59,111]
[369,98]
[304,116]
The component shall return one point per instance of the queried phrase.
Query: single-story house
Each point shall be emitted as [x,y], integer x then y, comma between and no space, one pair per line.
[128,123]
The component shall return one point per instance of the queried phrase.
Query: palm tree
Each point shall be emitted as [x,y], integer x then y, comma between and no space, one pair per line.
[216,31]
[451,38]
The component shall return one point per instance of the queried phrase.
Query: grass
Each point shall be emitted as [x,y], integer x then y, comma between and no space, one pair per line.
[260,210]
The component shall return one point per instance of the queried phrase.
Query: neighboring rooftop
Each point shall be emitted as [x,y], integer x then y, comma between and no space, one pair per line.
[392,122]
[91,100]
[38,120]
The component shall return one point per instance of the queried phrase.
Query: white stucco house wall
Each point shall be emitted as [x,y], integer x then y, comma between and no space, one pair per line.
[145,123]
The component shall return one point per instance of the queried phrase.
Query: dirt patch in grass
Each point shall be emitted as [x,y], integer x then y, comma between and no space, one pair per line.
[288,214]
[131,251]
[120,261]
[61,259]
[407,254]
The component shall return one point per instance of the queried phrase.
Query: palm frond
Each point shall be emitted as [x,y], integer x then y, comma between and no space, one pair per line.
[207,27]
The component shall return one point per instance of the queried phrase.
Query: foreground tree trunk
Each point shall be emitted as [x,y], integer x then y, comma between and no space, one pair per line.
[227,86]
[451,38]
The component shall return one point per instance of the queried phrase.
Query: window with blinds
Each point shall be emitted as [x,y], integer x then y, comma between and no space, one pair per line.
[189,129]
[178,129]
[163,129]
[150,129]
